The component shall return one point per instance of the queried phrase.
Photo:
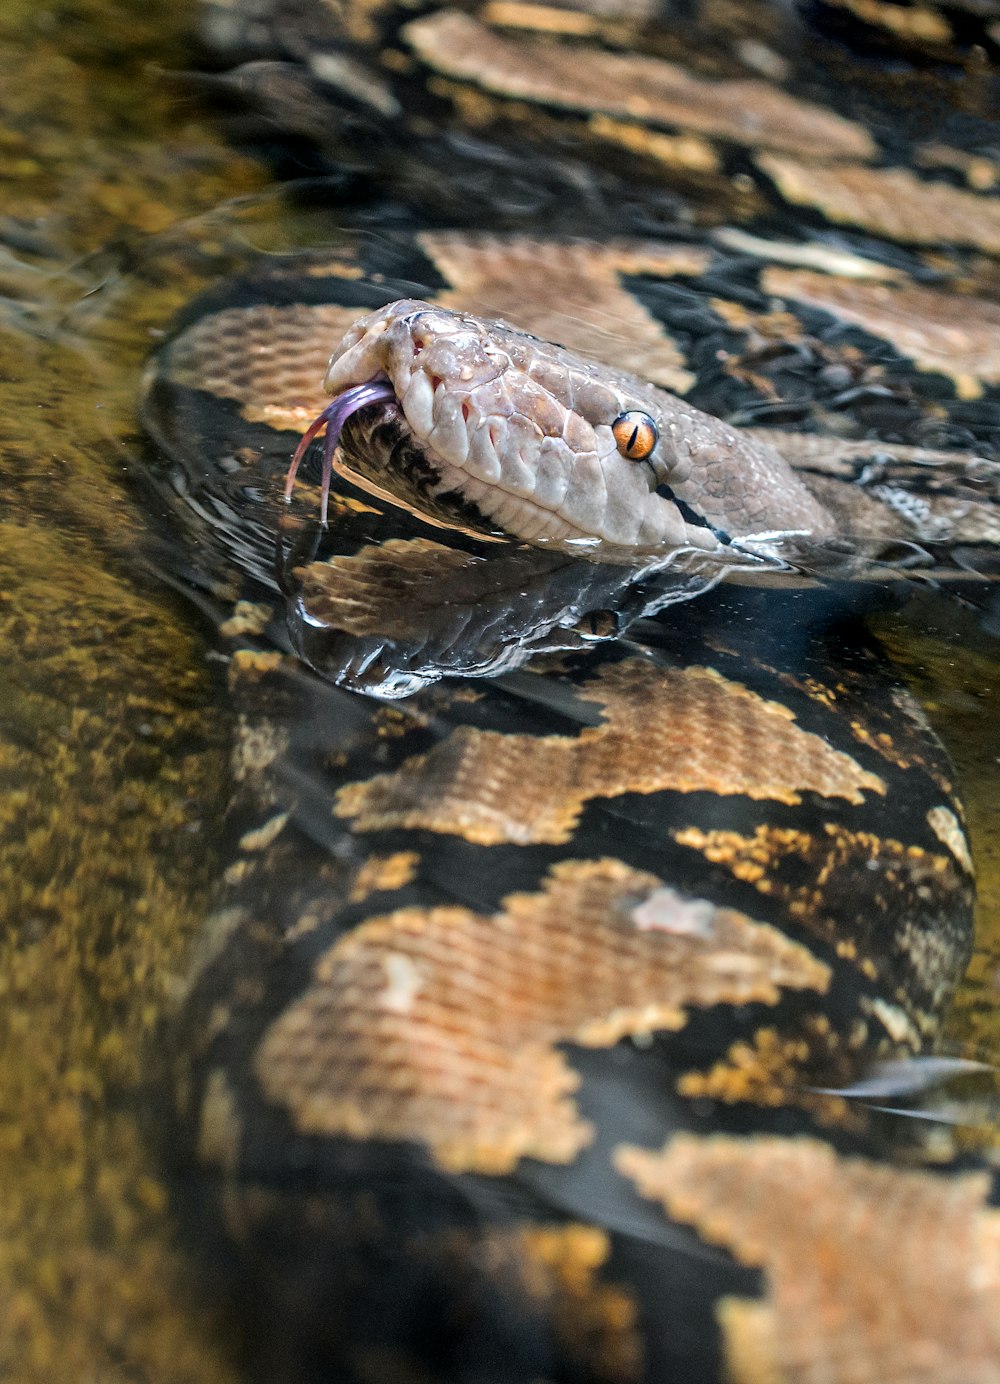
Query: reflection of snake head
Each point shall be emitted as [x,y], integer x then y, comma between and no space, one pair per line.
[522,432]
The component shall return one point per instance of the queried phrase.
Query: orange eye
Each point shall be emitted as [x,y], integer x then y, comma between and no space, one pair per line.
[635,434]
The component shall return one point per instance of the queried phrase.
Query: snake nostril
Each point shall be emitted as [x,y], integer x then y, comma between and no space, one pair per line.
[465,412]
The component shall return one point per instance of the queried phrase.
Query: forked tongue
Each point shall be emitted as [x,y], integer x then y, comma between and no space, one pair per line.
[333,418]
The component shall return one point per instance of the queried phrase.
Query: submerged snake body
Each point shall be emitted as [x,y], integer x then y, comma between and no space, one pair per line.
[521,1043]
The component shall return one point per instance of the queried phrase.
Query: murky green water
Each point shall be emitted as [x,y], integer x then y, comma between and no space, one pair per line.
[117,205]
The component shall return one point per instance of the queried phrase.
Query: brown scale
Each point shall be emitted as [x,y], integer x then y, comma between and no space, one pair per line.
[383,591]
[248,618]
[265,835]
[768,334]
[439,1025]
[894,879]
[247,666]
[636,86]
[569,293]
[953,334]
[220,1125]
[916,24]
[590,17]
[256,746]
[982,174]
[899,748]
[682,153]
[948,829]
[381,873]
[271,360]
[890,201]
[899,731]
[686,729]
[873,1275]
[776,1069]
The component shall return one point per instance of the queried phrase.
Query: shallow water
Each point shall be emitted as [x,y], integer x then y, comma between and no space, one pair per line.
[118,205]
[111,743]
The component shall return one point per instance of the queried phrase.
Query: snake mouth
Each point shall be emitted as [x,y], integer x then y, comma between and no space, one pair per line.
[380,454]
[332,419]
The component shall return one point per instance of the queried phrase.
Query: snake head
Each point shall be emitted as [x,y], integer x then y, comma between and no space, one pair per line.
[529,437]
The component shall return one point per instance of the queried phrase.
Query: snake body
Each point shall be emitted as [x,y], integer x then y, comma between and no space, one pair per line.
[531,1037]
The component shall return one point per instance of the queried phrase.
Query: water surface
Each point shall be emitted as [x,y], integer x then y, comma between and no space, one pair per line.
[121,199]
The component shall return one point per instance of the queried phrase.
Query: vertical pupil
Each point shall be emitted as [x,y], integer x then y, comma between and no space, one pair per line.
[635,434]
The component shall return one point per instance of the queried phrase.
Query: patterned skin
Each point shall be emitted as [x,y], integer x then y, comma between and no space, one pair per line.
[520,1045]
[483,961]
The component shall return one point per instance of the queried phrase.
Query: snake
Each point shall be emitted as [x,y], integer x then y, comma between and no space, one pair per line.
[596,889]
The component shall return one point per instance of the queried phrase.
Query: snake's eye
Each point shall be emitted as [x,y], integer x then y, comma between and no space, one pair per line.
[635,434]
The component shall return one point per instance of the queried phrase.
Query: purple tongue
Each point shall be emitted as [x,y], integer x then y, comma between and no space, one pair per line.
[333,418]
